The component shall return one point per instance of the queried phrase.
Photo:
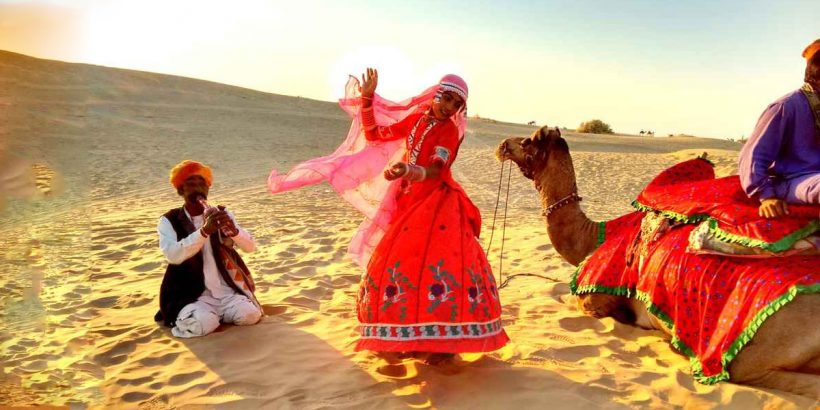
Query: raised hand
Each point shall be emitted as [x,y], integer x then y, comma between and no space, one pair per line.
[369,82]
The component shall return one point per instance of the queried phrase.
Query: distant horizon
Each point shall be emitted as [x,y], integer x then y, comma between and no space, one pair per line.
[699,68]
[472,116]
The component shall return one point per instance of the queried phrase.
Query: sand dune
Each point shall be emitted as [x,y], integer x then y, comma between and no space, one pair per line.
[82,268]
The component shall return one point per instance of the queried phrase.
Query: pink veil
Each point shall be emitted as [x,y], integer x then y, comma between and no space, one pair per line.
[355,168]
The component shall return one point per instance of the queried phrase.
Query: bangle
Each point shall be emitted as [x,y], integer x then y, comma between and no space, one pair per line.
[415,173]
[367,98]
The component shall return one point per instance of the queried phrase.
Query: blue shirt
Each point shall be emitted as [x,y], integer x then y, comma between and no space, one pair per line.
[782,146]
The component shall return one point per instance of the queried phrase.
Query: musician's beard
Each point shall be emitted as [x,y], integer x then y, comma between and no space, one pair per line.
[194,197]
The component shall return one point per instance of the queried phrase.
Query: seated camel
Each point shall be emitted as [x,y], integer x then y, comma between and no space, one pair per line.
[783,353]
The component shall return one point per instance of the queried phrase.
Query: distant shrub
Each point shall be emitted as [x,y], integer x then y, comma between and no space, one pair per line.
[595,127]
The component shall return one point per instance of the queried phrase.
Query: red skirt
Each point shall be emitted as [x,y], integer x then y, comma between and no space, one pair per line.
[428,286]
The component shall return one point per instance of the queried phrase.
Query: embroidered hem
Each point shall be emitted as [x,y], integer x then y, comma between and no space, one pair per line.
[493,338]
[430,331]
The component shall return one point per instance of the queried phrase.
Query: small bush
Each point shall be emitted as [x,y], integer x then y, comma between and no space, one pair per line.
[595,127]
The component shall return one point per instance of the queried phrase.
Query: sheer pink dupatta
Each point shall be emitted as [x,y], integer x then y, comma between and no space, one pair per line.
[355,169]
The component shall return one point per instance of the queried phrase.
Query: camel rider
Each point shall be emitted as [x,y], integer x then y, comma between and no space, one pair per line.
[780,163]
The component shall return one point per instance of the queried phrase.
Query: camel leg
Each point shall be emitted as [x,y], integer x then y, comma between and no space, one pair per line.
[803,384]
[601,305]
[785,351]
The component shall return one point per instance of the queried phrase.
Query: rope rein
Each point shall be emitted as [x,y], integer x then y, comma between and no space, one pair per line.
[504,282]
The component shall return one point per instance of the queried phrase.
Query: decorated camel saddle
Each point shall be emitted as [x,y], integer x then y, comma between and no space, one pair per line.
[704,263]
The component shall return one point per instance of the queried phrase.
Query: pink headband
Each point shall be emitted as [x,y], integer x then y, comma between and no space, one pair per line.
[454,83]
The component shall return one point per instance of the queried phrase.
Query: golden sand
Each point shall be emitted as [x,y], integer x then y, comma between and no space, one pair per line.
[82,268]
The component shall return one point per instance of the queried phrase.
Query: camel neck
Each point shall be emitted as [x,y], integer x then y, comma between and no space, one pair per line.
[573,235]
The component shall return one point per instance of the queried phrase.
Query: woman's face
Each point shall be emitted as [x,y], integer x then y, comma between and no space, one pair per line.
[447,105]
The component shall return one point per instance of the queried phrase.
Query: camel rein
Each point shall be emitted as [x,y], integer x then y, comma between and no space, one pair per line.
[504,282]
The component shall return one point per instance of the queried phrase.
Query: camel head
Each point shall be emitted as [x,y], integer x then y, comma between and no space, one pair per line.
[533,154]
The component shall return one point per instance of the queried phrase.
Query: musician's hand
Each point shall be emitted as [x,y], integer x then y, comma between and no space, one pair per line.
[396,171]
[773,208]
[230,224]
[215,221]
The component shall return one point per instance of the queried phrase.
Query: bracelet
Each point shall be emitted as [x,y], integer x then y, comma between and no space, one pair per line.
[368,118]
[415,173]
[367,98]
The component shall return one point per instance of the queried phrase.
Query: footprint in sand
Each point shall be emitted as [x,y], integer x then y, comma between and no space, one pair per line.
[121,349]
[274,310]
[304,302]
[185,378]
[304,272]
[134,382]
[104,302]
[578,324]
[163,360]
[134,396]
[147,267]
[577,353]
[284,254]
[34,367]
[544,247]
[395,371]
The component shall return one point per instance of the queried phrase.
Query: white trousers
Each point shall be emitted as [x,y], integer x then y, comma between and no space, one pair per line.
[203,316]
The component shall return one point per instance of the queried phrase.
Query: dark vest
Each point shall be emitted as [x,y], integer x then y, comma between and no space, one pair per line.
[184,283]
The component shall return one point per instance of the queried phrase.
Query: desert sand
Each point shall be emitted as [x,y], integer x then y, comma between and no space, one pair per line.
[82,269]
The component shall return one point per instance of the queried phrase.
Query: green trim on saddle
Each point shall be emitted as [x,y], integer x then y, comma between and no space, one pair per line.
[669,214]
[783,244]
[601,234]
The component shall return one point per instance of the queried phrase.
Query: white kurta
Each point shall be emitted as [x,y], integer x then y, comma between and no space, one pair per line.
[219,302]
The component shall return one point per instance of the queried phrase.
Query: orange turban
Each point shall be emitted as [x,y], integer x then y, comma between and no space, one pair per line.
[185,169]
[812,49]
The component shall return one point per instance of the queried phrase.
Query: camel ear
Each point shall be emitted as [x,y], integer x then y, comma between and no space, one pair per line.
[542,135]
[558,131]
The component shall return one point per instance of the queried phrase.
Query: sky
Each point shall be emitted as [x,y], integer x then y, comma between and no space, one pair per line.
[705,68]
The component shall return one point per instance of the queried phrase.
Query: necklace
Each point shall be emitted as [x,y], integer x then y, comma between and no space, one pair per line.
[573,197]
[415,149]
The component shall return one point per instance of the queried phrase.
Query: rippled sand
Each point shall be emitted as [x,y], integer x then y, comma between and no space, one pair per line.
[81,265]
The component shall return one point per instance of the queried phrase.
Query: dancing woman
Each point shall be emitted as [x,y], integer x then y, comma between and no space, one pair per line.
[427,286]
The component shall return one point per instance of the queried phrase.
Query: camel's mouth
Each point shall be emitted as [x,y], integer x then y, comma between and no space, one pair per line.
[509,149]
[501,152]
[513,149]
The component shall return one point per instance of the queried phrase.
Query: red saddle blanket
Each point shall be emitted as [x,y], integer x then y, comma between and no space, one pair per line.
[689,192]
[713,304]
